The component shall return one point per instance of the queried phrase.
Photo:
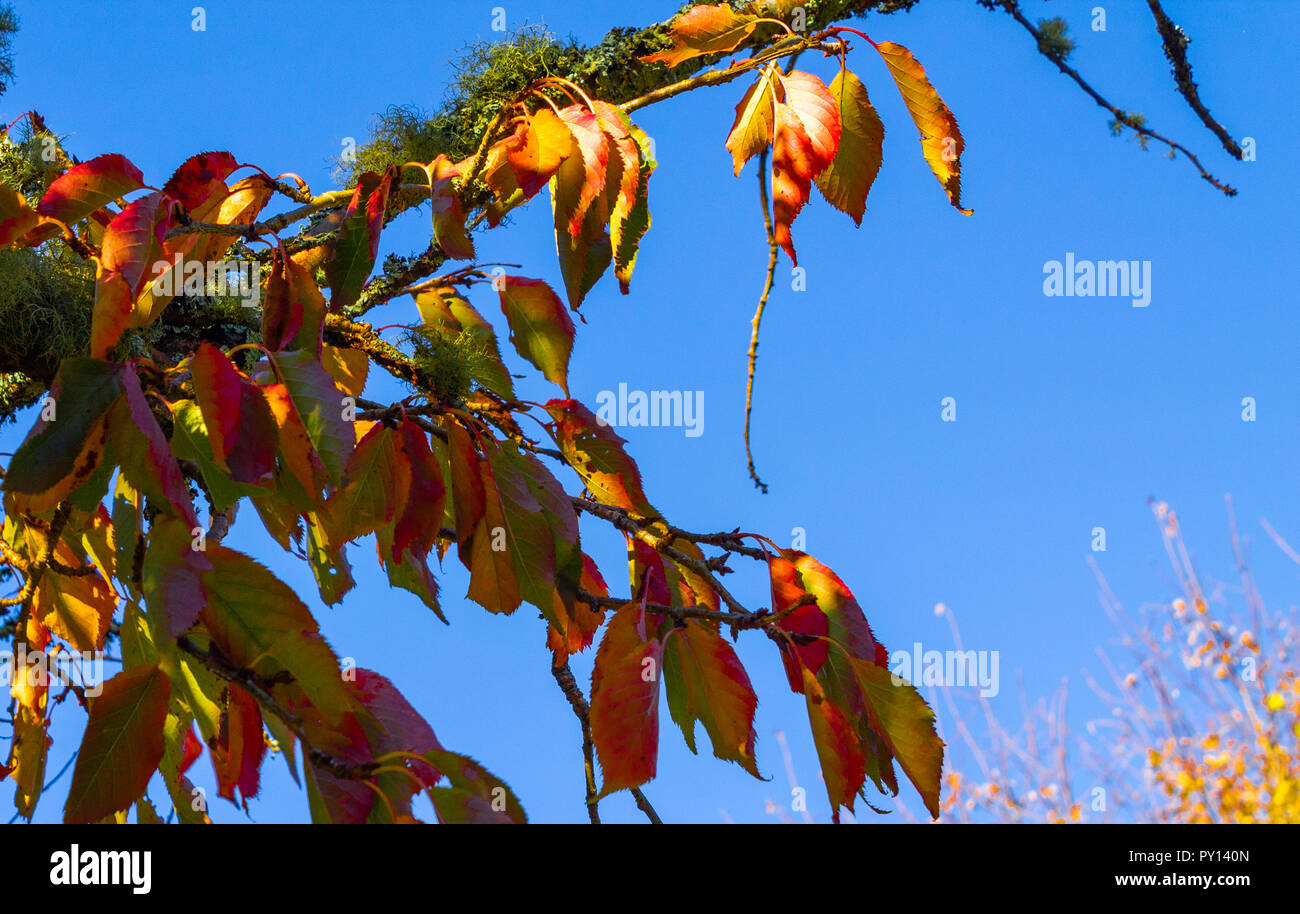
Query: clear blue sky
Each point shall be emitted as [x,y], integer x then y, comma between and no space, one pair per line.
[1071,411]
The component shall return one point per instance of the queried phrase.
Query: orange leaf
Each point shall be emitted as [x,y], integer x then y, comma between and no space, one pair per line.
[941,140]
[806,134]
[705,30]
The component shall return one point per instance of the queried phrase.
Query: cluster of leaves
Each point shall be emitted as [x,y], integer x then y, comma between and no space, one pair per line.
[102,521]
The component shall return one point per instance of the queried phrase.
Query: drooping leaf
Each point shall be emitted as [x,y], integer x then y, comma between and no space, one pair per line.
[446,312]
[237,757]
[293,314]
[906,723]
[320,407]
[941,139]
[236,414]
[706,682]
[122,746]
[60,455]
[374,490]
[173,576]
[144,453]
[357,244]
[540,326]
[625,700]
[593,449]
[843,767]
[133,241]
[805,136]
[416,526]
[847,180]
[751,132]
[77,609]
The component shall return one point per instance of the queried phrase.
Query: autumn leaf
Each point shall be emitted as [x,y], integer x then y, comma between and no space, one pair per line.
[84,188]
[521,164]
[122,746]
[806,133]
[941,140]
[375,486]
[201,178]
[475,795]
[593,449]
[77,609]
[843,767]
[706,682]
[259,624]
[173,576]
[625,700]
[751,132]
[16,217]
[237,757]
[357,245]
[448,215]
[60,455]
[293,312]
[540,326]
[705,30]
[900,716]
[416,527]
[145,454]
[847,180]
[238,420]
[444,311]
[319,404]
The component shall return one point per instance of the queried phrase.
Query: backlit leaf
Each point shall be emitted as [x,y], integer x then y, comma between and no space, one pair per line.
[122,746]
[941,140]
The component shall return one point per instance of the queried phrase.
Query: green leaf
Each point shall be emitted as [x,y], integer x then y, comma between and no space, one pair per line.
[540,327]
[62,453]
[122,746]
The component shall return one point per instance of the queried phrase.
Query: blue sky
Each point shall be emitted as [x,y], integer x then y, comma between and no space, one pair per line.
[1070,411]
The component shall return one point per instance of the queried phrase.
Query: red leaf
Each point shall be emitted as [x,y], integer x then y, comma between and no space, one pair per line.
[133,240]
[807,621]
[706,682]
[173,576]
[417,527]
[16,217]
[625,701]
[237,757]
[84,188]
[806,134]
[238,418]
[843,767]
[293,314]
[201,178]
[146,457]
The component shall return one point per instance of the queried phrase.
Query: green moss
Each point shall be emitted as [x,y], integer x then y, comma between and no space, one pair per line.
[448,363]
[46,296]
[1054,39]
